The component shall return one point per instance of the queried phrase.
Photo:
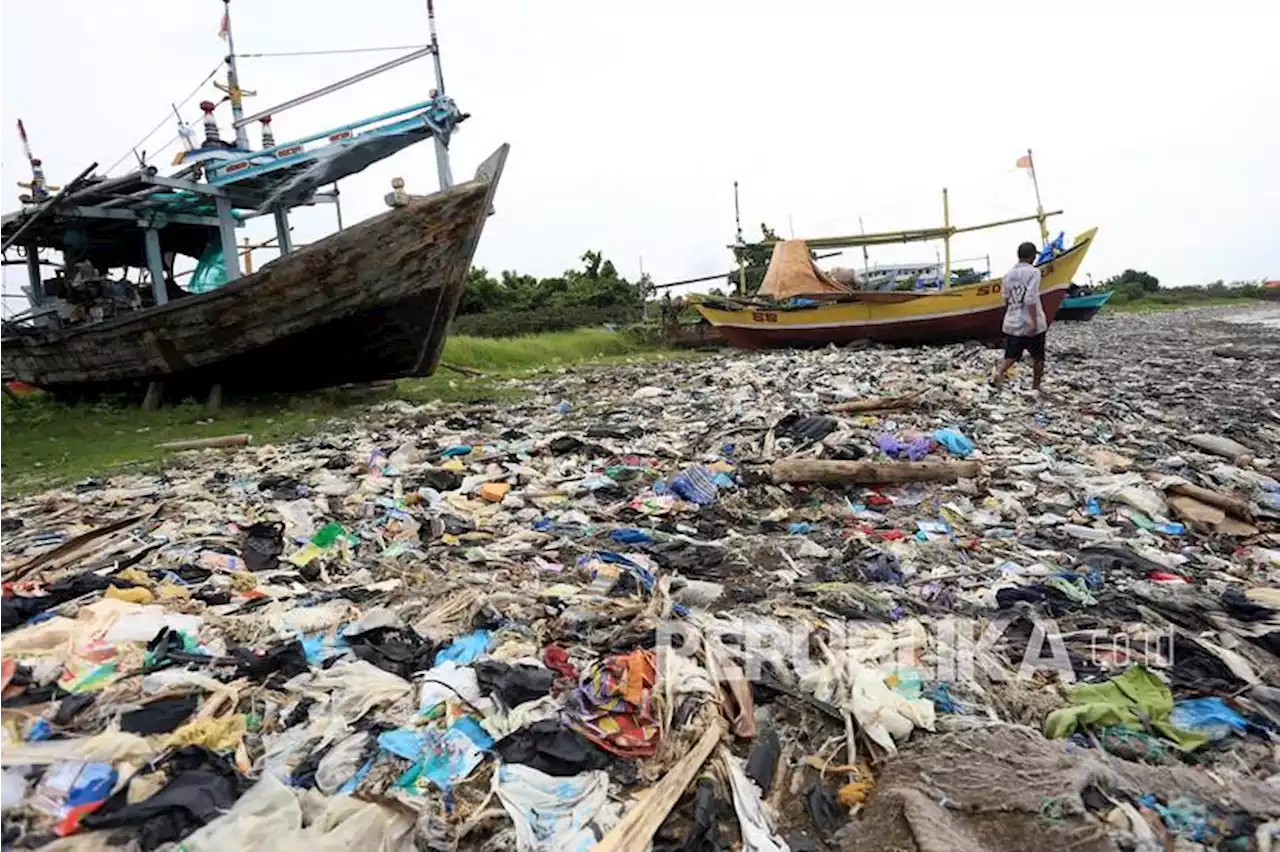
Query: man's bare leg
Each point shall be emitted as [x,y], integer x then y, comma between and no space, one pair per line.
[997,379]
[1037,373]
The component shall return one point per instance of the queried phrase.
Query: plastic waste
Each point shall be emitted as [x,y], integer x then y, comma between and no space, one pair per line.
[341,762]
[955,442]
[696,485]
[555,814]
[1210,717]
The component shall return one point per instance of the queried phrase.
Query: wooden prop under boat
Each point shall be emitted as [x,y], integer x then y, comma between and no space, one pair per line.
[973,311]
[373,301]
[1082,308]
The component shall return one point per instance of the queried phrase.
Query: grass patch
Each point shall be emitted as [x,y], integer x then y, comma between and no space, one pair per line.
[1158,305]
[536,351]
[47,443]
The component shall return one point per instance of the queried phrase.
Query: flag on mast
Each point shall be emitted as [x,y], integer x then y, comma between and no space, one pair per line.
[225,28]
[1024,162]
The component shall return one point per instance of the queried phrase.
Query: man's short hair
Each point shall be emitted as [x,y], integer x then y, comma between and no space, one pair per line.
[1027,252]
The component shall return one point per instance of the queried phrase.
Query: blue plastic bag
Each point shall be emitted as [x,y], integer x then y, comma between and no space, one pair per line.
[696,485]
[955,442]
[1208,716]
[465,648]
[631,535]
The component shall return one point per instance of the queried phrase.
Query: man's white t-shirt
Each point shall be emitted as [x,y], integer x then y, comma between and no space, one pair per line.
[1022,288]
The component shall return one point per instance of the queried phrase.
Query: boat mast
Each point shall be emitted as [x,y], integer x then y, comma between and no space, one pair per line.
[442,150]
[233,80]
[1040,215]
[866,255]
[946,240]
[742,262]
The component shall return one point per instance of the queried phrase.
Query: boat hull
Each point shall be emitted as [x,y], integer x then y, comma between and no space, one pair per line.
[371,302]
[971,312]
[1082,308]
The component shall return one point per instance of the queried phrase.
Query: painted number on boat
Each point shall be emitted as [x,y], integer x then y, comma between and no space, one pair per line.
[764,316]
[988,289]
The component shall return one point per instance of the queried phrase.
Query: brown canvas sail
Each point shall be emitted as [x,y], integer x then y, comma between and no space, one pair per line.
[792,273]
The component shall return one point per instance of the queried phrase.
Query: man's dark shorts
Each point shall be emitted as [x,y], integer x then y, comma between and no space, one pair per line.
[1015,346]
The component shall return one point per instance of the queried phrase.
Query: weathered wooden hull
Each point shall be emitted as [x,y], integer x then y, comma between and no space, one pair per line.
[972,312]
[371,302]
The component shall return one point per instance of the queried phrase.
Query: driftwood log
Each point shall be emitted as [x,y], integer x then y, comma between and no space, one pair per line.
[1225,502]
[1239,454]
[870,472]
[208,443]
[880,403]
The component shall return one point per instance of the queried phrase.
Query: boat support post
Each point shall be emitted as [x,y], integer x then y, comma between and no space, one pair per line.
[227,231]
[282,229]
[155,265]
[33,273]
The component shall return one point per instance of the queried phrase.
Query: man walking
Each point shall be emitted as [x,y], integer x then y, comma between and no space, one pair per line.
[1024,320]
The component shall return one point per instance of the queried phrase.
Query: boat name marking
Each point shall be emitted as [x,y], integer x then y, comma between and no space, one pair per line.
[764,316]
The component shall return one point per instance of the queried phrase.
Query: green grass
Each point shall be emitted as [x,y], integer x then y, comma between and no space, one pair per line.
[1157,305]
[47,443]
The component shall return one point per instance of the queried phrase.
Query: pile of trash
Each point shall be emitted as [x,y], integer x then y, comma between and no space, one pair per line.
[849,598]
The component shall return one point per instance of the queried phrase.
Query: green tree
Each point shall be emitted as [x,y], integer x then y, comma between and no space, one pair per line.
[755,257]
[1131,280]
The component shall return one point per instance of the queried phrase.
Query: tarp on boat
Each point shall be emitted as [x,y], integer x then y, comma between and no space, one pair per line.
[792,273]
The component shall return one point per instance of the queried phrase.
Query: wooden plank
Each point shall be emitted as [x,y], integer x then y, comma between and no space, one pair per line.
[635,832]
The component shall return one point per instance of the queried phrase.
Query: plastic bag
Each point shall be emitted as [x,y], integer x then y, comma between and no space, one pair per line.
[955,442]
[354,688]
[1210,717]
[211,271]
[341,763]
[555,814]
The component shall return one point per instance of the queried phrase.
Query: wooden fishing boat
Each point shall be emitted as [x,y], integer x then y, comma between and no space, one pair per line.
[373,301]
[1082,308]
[973,311]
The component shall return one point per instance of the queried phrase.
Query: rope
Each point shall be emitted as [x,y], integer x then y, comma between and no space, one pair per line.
[330,52]
[163,121]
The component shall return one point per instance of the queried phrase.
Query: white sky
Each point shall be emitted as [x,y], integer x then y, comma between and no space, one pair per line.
[629,124]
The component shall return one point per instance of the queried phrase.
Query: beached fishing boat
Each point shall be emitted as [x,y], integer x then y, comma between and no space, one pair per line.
[371,301]
[800,305]
[815,313]
[1082,308]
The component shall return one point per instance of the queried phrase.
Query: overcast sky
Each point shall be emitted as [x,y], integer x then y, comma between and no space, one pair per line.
[629,124]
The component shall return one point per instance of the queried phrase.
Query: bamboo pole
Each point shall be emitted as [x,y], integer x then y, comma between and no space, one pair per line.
[870,472]
[912,235]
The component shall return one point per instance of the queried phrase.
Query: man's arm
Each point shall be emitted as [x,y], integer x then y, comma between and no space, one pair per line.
[1031,298]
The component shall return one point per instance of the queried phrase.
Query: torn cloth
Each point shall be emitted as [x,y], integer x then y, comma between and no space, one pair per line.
[613,706]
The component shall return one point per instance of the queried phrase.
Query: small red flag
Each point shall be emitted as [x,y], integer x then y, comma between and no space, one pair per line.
[1024,162]
[225,29]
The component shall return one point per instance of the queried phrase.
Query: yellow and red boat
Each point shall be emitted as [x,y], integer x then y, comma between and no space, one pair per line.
[817,311]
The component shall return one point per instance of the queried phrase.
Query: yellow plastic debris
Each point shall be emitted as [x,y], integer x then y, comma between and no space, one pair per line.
[133,595]
[855,793]
[169,591]
[222,734]
[136,576]
[494,491]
